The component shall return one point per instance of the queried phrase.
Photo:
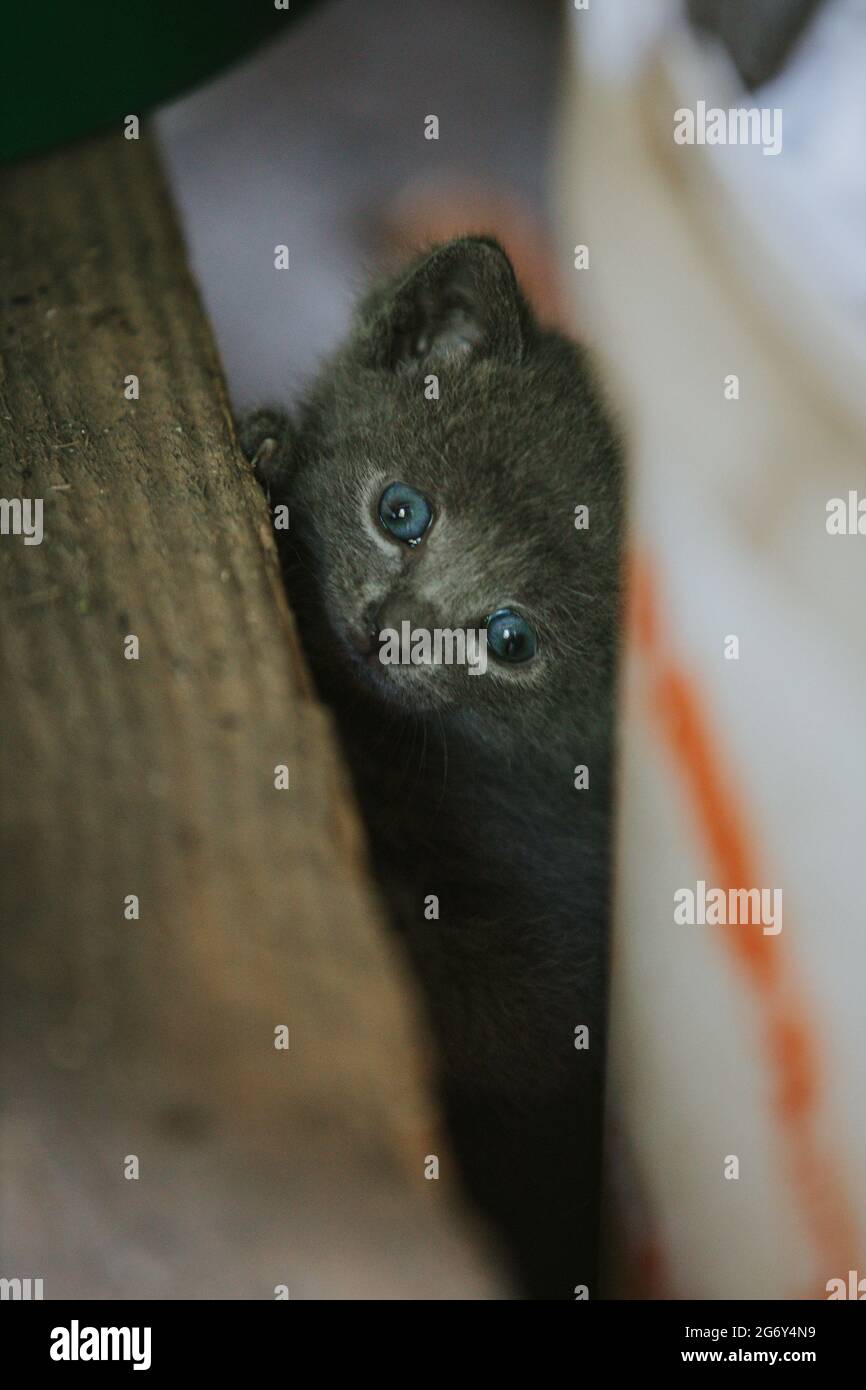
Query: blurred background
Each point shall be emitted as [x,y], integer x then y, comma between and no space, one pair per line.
[318,142]
[724,291]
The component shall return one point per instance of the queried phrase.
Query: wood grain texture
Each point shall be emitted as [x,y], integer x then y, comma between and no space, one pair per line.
[155,777]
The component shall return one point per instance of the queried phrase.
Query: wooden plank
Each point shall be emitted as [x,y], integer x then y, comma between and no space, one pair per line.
[155,777]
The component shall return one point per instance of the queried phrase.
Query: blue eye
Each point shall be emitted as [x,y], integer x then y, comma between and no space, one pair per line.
[405,512]
[509,636]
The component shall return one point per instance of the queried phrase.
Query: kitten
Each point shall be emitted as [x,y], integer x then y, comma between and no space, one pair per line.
[467,781]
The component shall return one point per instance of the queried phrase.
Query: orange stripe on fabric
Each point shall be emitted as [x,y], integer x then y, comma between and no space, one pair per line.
[790,1046]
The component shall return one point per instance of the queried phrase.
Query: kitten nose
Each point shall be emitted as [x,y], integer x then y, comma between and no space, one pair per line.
[404,605]
[365,634]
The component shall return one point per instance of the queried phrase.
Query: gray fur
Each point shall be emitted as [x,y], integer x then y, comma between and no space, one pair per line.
[467,781]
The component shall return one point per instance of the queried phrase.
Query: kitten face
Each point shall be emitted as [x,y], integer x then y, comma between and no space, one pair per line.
[442,513]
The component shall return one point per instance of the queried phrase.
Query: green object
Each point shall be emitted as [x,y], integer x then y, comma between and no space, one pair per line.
[68,69]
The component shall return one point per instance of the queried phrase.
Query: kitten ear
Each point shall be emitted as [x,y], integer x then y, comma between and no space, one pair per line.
[461,298]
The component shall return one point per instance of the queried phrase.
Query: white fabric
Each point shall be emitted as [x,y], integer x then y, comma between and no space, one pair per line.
[707,261]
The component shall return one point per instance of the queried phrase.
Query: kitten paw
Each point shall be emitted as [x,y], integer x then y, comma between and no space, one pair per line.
[266,437]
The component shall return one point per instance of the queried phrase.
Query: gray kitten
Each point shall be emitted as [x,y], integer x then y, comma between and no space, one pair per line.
[457,510]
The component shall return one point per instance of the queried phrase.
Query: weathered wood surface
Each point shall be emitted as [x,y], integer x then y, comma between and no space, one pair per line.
[155,777]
